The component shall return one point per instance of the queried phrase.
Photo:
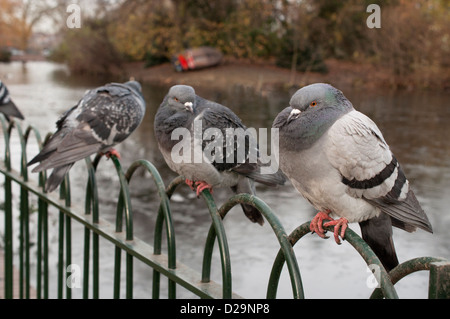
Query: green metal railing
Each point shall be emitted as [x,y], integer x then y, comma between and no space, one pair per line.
[121,235]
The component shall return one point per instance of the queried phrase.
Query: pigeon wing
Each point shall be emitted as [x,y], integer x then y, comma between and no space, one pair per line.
[236,141]
[240,151]
[368,168]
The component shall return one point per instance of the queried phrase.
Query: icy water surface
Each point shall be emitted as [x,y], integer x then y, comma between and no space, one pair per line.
[415,124]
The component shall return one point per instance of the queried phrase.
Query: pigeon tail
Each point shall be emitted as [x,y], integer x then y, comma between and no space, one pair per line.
[245,185]
[407,215]
[253,214]
[272,180]
[48,149]
[377,233]
[57,177]
[10,110]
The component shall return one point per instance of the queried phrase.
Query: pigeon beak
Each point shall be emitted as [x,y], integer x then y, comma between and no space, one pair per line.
[189,107]
[294,114]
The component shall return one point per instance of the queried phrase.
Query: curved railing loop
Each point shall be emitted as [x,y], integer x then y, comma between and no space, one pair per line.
[32,129]
[222,242]
[277,228]
[352,238]
[123,208]
[164,215]
[221,237]
[7,127]
[124,203]
[406,268]
[91,208]
[164,209]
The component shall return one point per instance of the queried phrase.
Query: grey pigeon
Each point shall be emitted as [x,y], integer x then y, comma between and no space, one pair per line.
[233,163]
[337,158]
[7,106]
[104,117]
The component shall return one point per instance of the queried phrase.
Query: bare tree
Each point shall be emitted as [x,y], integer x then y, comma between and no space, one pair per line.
[22,16]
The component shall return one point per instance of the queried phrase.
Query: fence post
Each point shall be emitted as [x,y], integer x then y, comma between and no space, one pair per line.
[439,285]
[124,208]
[286,248]
[163,215]
[42,231]
[222,242]
[8,212]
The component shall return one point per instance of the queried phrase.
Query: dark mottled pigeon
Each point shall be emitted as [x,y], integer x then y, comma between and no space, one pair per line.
[209,160]
[337,158]
[104,117]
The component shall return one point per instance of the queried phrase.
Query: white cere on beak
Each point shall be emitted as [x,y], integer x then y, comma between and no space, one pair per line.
[189,106]
[294,114]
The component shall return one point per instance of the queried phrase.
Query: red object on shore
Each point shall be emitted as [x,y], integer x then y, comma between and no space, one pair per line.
[197,58]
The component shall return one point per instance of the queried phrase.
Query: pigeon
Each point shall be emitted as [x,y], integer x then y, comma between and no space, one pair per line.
[337,158]
[210,161]
[104,117]
[7,106]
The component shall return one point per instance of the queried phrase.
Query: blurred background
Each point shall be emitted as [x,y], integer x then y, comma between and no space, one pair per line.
[399,75]
[412,43]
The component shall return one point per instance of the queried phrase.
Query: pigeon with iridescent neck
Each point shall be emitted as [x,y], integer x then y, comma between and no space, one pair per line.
[337,158]
[104,117]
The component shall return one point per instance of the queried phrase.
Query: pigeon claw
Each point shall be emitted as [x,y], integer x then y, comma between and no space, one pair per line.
[112,152]
[190,183]
[342,224]
[201,186]
[316,223]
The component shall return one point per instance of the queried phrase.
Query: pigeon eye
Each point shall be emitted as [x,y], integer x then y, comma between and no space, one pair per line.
[176,100]
[313,104]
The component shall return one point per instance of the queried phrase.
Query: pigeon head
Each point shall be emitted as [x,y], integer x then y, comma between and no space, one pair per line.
[313,109]
[316,98]
[181,98]
[134,85]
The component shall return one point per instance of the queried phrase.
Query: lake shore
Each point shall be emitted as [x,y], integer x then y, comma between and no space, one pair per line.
[261,77]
